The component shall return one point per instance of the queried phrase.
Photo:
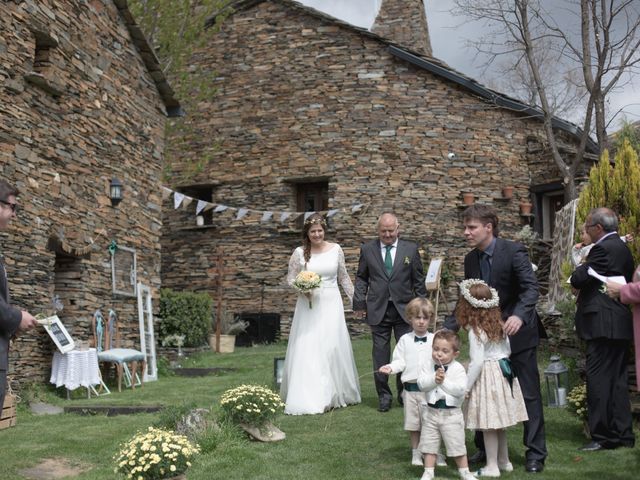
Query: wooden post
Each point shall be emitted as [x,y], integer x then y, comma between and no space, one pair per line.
[219,280]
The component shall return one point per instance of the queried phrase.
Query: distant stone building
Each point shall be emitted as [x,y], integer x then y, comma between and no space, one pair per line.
[313,114]
[83,101]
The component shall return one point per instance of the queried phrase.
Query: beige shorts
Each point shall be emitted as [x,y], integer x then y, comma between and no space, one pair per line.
[413,410]
[446,424]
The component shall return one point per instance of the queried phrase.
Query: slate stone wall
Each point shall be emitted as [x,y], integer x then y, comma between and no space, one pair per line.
[302,99]
[85,112]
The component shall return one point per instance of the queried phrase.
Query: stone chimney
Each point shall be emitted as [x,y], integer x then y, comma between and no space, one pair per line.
[404,22]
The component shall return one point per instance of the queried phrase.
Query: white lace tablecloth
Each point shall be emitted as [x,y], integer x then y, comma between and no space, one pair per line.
[77,368]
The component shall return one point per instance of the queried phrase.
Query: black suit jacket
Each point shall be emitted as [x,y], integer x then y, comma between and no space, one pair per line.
[517,287]
[9,318]
[374,289]
[599,316]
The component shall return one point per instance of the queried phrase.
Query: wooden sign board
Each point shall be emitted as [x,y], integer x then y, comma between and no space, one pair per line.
[432,280]
[8,416]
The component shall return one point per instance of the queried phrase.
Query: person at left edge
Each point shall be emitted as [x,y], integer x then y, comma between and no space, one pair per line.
[12,319]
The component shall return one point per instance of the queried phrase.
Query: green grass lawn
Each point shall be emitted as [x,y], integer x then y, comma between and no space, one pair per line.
[356,442]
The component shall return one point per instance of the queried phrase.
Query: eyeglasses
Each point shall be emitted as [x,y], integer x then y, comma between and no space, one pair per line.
[13,206]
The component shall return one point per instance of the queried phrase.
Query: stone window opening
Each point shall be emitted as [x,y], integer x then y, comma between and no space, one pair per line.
[549,199]
[311,197]
[202,192]
[42,75]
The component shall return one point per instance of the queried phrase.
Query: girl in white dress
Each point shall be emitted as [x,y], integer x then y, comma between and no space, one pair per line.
[494,397]
[319,369]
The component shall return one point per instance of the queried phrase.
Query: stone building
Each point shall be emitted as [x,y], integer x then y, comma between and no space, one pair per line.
[311,113]
[83,101]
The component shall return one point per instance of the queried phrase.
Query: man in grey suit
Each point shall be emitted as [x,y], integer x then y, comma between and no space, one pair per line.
[389,276]
[12,319]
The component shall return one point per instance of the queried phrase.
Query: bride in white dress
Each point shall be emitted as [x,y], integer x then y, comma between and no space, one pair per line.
[319,370]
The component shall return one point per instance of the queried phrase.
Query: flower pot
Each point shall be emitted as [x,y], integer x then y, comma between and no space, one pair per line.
[525,208]
[227,343]
[468,198]
[266,433]
[507,193]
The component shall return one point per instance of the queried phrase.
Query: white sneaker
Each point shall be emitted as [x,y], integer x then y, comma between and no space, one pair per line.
[506,467]
[468,476]
[483,472]
[427,475]
[441,461]
[416,458]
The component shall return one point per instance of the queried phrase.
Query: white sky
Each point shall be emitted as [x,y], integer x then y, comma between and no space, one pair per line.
[448,40]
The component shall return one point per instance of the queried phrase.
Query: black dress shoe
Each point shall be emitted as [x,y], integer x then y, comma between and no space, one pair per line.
[592,447]
[384,405]
[534,466]
[479,457]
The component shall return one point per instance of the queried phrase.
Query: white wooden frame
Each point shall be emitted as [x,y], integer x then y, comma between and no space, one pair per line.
[58,334]
[116,280]
[147,335]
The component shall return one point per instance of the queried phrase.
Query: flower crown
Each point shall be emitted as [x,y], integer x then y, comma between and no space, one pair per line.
[311,221]
[493,302]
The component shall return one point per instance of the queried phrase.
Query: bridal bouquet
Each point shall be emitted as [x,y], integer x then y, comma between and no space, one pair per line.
[307,281]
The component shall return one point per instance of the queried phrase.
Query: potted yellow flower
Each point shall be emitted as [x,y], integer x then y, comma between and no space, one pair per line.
[577,404]
[155,454]
[254,407]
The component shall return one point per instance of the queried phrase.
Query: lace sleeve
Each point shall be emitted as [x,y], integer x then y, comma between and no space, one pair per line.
[295,267]
[343,276]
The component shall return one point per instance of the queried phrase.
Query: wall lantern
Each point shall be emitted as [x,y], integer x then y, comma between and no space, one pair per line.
[115,192]
[556,377]
[278,370]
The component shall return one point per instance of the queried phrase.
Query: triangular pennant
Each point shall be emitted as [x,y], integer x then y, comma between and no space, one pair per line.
[242,212]
[356,208]
[200,206]
[177,199]
[166,193]
[266,216]
[284,216]
[220,208]
[331,213]
[308,214]
[208,206]
[186,201]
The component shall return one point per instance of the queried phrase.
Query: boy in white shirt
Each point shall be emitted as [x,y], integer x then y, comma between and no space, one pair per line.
[444,382]
[410,355]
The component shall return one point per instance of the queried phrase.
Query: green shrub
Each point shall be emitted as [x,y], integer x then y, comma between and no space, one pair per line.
[185,313]
[170,415]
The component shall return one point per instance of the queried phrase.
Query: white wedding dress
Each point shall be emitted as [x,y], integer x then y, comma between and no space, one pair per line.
[319,370]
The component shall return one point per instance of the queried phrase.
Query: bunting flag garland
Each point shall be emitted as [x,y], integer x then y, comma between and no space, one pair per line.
[182,200]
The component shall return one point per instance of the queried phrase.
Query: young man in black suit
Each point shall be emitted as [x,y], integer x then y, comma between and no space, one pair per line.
[505,265]
[606,325]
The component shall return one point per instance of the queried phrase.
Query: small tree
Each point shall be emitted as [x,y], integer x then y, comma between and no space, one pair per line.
[618,188]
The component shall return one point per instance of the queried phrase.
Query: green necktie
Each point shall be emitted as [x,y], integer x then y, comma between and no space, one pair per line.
[388,263]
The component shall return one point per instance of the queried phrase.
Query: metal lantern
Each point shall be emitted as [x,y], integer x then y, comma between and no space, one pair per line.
[556,376]
[278,370]
[115,191]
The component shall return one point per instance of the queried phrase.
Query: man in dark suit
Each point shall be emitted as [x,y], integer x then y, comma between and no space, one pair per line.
[606,325]
[389,276]
[12,320]
[505,266]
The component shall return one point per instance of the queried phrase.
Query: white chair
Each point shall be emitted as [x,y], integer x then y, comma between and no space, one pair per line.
[106,336]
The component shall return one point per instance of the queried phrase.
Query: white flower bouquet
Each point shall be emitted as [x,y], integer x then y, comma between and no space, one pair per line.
[155,454]
[251,404]
[305,282]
